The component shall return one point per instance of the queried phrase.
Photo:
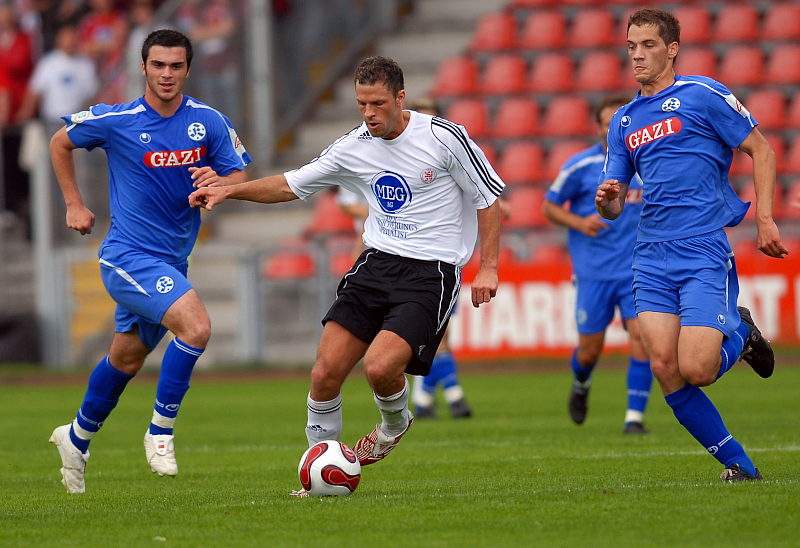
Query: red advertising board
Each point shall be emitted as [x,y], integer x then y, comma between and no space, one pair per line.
[533,313]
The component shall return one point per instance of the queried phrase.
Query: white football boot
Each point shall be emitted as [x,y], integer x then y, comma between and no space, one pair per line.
[72,460]
[160,452]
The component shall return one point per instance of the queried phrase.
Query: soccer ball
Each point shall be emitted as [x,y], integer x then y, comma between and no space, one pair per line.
[329,468]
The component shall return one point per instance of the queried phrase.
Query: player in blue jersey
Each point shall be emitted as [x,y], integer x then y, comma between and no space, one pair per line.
[677,134]
[602,253]
[158,147]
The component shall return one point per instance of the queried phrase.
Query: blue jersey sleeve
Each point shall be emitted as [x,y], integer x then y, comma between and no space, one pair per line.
[226,152]
[566,187]
[89,128]
[618,164]
[732,122]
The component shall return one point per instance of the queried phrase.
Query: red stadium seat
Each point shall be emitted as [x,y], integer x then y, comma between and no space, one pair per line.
[781,22]
[567,115]
[559,153]
[793,118]
[516,117]
[747,192]
[593,27]
[695,24]
[599,71]
[736,23]
[527,4]
[289,265]
[328,218]
[791,205]
[778,144]
[783,66]
[526,208]
[456,76]
[543,30]
[504,74]
[697,61]
[489,151]
[792,162]
[742,164]
[742,66]
[521,163]
[768,106]
[472,114]
[495,32]
[551,72]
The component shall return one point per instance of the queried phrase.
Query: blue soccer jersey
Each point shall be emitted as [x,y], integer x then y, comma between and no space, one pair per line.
[148,161]
[679,141]
[610,254]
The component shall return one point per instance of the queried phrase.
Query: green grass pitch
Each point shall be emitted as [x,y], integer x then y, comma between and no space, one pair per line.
[517,474]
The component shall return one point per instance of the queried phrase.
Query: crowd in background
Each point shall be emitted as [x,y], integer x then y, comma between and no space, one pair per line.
[60,56]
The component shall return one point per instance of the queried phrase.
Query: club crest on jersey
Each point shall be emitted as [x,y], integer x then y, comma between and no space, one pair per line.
[671,104]
[625,122]
[145,137]
[428,175]
[196,131]
[81,116]
[391,190]
[165,284]
[173,158]
[653,132]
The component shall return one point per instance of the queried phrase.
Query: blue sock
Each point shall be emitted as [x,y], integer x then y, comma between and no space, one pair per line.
[582,374]
[640,378]
[173,383]
[698,415]
[439,370]
[446,367]
[106,384]
[732,347]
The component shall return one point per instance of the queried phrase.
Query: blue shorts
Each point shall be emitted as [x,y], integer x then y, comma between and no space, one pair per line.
[694,278]
[596,300]
[144,287]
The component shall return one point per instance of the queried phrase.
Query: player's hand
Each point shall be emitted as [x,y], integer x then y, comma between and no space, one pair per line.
[484,286]
[207,197]
[607,192]
[80,218]
[204,176]
[592,224]
[769,241]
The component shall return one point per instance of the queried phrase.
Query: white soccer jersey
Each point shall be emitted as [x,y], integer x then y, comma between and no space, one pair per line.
[422,187]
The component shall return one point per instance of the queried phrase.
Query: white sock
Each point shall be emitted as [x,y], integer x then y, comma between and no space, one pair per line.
[633,416]
[394,411]
[453,393]
[324,420]
[419,396]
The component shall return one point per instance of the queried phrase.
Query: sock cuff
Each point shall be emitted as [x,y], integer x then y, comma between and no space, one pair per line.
[322,407]
[681,395]
[111,370]
[393,397]
[180,345]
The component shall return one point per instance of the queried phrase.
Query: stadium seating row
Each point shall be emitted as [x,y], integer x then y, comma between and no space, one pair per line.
[597,26]
[606,70]
[520,117]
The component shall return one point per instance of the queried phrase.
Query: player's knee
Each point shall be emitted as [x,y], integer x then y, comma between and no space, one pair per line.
[377,370]
[325,383]
[198,333]
[699,376]
[587,356]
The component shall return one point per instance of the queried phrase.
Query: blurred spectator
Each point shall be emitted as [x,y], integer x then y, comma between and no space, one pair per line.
[102,33]
[212,27]
[63,81]
[143,22]
[16,66]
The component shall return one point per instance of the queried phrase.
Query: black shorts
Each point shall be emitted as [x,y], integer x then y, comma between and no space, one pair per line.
[410,297]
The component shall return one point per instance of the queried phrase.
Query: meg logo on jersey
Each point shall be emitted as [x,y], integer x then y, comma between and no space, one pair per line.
[653,132]
[173,158]
[392,191]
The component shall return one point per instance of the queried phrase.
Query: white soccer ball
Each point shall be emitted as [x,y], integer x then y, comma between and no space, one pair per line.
[329,468]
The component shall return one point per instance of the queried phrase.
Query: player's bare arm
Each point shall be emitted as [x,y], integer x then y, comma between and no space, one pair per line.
[769,238]
[610,198]
[206,176]
[589,225]
[267,190]
[79,217]
[484,286]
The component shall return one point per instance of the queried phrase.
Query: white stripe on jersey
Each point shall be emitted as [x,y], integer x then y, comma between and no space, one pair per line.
[234,138]
[93,116]
[729,98]
[566,172]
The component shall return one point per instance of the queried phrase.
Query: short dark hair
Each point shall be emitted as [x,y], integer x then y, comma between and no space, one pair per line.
[669,28]
[167,38]
[426,103]
[612,100]
[380,69]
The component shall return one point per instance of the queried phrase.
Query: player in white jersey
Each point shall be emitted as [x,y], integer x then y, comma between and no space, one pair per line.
[157,147]
[430,190]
